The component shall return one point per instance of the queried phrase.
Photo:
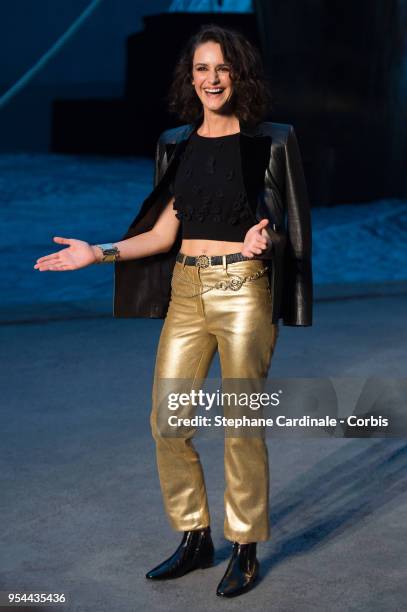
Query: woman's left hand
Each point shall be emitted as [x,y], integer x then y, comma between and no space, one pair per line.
[257,240]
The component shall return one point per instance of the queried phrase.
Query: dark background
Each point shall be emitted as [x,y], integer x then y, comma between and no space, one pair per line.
[337,69]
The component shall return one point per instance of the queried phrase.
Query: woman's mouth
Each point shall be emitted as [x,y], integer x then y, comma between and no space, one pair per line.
[214,91]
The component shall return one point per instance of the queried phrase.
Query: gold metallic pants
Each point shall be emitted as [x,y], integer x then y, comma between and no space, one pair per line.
[238,324]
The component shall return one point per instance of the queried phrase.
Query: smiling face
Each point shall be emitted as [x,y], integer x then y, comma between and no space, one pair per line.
[211,77]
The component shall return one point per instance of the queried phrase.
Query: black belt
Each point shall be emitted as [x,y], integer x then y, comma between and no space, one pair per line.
[204,261]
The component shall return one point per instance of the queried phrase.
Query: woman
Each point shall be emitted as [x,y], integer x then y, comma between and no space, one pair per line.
[221,249]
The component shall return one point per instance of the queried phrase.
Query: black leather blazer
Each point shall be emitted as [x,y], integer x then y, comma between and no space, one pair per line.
[275,185]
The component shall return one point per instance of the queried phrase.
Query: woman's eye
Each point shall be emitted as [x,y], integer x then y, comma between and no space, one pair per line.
[223,68]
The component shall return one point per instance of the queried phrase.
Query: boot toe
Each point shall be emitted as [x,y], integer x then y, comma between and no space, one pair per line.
[233,589]
[157,574]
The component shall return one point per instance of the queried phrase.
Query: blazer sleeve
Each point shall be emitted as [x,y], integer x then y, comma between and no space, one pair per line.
[298,286]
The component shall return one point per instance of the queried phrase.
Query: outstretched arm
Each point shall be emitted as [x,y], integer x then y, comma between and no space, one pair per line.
[80,254]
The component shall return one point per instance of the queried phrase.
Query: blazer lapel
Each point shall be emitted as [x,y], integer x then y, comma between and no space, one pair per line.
[255,149]
[174,149]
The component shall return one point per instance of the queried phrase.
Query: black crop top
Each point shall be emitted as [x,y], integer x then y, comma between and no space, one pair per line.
[210,197]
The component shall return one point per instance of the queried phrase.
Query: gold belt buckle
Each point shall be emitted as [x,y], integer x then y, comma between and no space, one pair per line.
[202,261]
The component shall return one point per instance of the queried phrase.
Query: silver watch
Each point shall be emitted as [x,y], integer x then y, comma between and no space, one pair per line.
[110,252]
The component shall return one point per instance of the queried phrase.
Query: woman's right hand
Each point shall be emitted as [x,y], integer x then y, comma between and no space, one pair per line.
[78,254]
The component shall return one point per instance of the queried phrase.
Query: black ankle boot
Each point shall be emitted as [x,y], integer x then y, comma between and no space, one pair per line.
[241,572]
[195,551]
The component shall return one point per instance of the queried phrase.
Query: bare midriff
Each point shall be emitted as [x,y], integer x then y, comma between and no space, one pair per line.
[209,247]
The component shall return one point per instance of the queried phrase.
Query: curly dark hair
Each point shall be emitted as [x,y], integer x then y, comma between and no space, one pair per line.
[251,99]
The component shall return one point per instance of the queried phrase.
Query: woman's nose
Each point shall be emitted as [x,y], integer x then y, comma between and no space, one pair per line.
[214,77]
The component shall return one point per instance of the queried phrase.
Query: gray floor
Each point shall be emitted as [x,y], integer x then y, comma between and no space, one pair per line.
[81,510]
